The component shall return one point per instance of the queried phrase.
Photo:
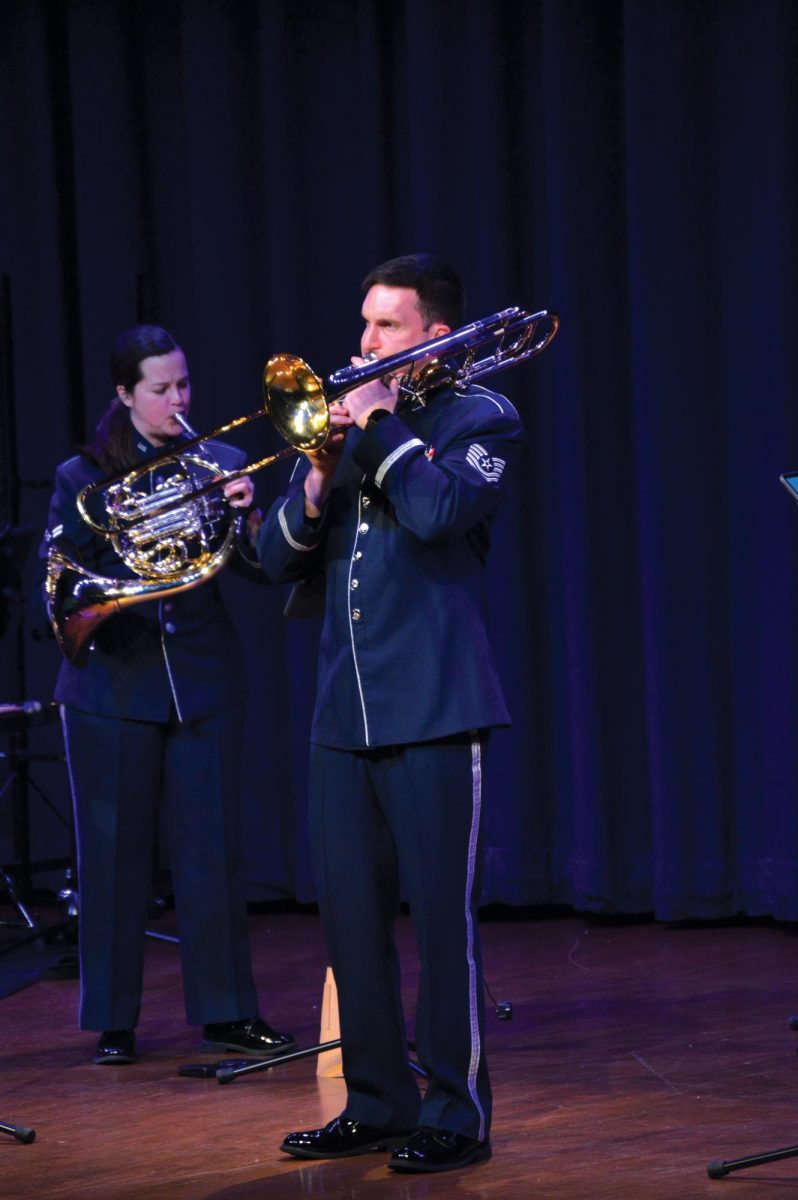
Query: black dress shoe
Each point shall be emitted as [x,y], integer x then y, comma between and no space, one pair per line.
[116,1046]
[438,1150]
[341,1139]
[253,1037]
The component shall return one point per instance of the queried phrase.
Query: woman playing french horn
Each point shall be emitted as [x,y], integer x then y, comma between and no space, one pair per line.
[152,722]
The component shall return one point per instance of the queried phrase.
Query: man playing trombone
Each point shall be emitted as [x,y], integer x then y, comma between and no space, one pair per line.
[395,512]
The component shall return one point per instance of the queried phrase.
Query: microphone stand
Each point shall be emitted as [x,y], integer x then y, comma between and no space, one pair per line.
[228,1070]
[721,1167]
[23,1133]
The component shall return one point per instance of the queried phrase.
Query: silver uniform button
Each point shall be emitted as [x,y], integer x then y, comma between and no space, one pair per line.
[354,585]
[169,627]
[366,501]
[356,614]
[363,528]
[357,555]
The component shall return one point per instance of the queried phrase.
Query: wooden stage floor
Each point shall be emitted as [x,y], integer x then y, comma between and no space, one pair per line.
[636,1054]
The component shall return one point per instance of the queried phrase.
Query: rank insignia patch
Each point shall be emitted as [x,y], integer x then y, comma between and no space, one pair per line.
[488,466]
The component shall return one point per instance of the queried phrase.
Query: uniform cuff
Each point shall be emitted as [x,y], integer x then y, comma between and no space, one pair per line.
[383,443]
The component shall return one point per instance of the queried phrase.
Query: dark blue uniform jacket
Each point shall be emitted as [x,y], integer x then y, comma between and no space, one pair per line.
[402,545]
[179,654]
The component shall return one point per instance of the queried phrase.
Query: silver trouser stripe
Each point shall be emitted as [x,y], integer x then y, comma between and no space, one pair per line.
[392,457]
[78,838]
[476,1042]
[292,542]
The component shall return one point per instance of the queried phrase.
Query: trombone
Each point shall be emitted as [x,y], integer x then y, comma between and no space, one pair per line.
[297,401]
[180,536]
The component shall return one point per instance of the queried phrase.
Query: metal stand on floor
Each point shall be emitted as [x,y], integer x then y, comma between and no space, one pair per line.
[717,1169]
[230,1069]
[721,1167]
[23,1133]
[16,719]
[13,895]
[32,929]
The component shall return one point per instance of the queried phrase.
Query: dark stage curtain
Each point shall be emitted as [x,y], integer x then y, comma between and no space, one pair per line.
[234,169]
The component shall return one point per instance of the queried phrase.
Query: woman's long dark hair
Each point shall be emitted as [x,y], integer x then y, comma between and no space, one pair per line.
[113,447]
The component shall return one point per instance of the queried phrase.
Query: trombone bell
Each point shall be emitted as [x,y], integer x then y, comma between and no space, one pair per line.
[295,401]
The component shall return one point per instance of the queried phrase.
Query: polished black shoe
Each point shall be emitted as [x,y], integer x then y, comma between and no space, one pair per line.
[438,1150]
[116,1046]
[253,1037]
[341,1139]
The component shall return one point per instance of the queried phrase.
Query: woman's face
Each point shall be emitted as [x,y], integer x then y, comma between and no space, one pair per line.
[163,390]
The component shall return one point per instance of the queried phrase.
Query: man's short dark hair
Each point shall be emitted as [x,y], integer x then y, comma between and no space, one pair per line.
[440,290]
